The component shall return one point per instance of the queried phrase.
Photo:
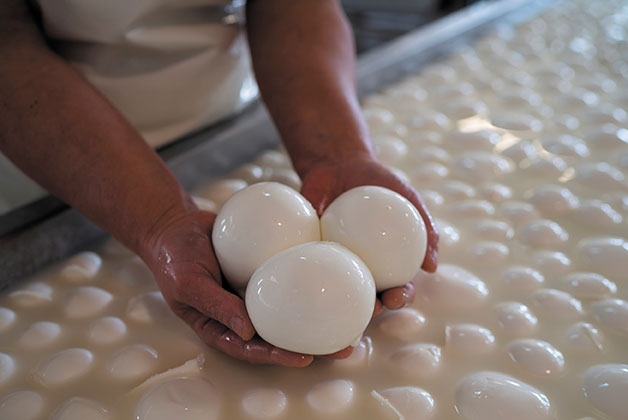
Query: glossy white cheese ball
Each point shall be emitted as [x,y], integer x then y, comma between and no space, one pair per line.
[40,335]
[257,223]
[606,386]
[331,397]
[7,368]
[315,298]
[516,319]
[537,357]
[493,396]
[133,362]
[383,228]
[64,367]
[81,267]
[81,409]
[469,339]
[264,403]
[613,314]
[22,405]
[191,398]
[7,318]
[403,324]
[419,360]
[585,336]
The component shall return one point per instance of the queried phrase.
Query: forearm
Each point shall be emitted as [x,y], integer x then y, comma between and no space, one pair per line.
[61,132]
[304,61]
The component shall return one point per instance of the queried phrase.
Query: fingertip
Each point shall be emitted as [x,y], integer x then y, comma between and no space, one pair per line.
[290,359]
[409,292]
[393,298]
[305,361]
[430,263]
[340,354]
[378,308]
[399,297]
[242,327]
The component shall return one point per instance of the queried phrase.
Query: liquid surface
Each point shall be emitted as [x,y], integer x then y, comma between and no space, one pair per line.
[518,145]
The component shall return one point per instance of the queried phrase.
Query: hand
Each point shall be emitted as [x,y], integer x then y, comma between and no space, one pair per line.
[326,181]
[181,257]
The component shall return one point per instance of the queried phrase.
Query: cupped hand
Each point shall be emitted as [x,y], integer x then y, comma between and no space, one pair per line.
[181,257]
[326,181]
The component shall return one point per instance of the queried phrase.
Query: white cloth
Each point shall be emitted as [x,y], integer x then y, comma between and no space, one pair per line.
[170,66]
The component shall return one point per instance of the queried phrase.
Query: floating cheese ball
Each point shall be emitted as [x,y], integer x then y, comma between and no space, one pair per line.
[516,319]
[403,324]
[86,301]
[451,287]
[557,304]
[264,403]
[192,398]
[315,298]
[585,337]
[81,409]
[136,361]
[606,386]
[81,267]
[7,368]
[221,190]
[107,330]
[419,360]
[383,228]
[331,397]
[490,395]
[40,335]
[7,317]
[411,402]
[469,339]
[612,314]
[64,367]
[537,357]
[257,223]
[21,405]
[33,295]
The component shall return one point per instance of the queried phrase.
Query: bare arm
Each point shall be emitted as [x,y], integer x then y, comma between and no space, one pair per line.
[304,62]
[59,130]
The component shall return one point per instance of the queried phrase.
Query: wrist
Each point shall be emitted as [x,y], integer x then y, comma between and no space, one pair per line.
[305,162]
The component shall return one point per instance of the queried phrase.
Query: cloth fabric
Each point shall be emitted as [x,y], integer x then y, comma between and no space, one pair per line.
[170,66]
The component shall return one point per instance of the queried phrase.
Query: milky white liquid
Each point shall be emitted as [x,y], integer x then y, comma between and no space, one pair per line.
[510,324]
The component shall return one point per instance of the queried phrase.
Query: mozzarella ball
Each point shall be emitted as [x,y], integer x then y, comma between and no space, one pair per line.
[21,405]
[264,403]
[83,266]
[606,386]
[383,228]
[221,190]
[257,223]
[81,409]
[192,398]
[136,361]
[490,395]
[331,397]
[64,367]
[315,298]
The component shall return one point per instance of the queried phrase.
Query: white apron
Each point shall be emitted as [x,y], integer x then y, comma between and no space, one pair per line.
[170,66]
